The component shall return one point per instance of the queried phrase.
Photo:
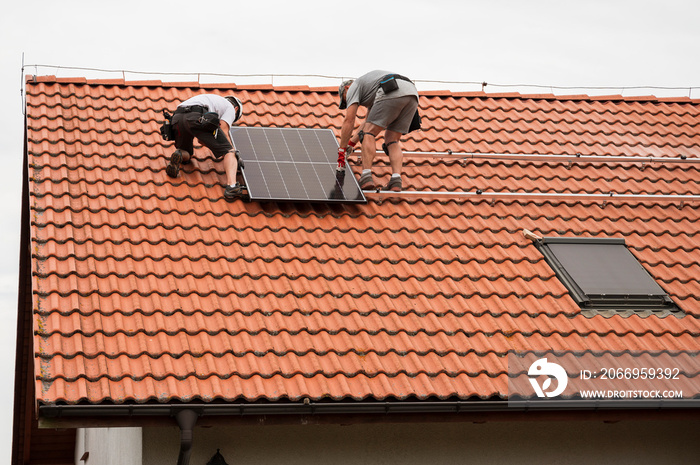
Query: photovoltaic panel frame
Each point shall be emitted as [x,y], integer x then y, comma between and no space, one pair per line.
[294,164]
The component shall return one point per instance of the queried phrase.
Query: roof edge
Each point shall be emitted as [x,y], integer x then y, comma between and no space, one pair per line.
[309,407]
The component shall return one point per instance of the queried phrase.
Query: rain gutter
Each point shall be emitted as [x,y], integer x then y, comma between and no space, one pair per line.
[187,415]
[380,407]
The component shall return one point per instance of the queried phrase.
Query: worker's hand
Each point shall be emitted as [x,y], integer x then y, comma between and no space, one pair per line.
[239,159]
[341,159]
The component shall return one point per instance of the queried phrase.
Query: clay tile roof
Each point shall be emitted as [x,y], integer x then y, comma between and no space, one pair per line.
[147,288]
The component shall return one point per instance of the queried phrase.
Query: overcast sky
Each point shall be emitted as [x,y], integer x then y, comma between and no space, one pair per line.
[596,47]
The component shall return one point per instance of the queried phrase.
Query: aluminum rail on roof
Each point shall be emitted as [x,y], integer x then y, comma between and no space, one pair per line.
[555,158]
[481,195]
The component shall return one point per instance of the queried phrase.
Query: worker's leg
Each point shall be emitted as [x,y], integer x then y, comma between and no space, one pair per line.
[232,190]
[405,109]
[178,157]
[391,139]
[369,144]
[183,144]
[221,147]
[231,167]
[369,150]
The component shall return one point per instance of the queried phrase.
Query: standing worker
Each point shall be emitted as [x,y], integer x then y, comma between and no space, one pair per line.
[392,101]
[208,117]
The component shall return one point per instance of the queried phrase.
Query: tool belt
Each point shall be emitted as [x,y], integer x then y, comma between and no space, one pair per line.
[167,131]
[209,119]
[388,83]
[192,109]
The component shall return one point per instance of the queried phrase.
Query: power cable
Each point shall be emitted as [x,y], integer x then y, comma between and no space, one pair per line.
[272,76]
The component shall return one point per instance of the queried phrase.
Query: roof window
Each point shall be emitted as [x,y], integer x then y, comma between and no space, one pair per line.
[603,276]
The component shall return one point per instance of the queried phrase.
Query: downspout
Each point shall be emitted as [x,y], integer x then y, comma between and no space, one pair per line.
[186,420]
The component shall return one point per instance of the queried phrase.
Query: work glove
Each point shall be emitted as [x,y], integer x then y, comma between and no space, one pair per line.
[342,153]
[341,159]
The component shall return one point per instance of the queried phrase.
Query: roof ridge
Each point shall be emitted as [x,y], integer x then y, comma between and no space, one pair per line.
[305,88]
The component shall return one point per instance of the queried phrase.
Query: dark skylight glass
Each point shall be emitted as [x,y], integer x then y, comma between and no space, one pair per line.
[602,274]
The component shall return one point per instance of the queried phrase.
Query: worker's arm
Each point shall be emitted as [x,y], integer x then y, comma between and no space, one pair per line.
[348,124]
[223,125]
[346,135]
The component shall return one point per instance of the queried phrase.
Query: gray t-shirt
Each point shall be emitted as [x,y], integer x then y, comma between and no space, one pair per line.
[215,103]
[365,89]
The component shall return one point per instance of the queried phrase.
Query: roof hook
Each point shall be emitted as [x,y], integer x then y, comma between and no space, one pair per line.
[532,236]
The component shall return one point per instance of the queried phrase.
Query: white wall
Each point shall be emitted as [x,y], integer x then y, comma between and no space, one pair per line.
[109,446]
[535,442]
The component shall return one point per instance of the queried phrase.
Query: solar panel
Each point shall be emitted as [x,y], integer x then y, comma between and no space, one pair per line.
[290,164]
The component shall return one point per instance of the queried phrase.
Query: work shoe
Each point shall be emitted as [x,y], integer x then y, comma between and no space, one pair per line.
[367,182]
[394,185]
[231,193]
[173,167]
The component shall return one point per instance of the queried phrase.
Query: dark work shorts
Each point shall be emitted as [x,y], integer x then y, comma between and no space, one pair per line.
[188,126]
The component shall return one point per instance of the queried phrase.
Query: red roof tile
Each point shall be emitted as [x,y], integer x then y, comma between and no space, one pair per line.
[153,289]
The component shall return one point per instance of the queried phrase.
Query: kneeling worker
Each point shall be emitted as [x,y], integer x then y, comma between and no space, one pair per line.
[392,101]
[207,117]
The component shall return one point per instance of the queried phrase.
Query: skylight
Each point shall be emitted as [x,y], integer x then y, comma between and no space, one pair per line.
[601,274]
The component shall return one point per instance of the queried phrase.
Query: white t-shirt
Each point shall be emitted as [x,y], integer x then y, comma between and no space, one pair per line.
[216,104]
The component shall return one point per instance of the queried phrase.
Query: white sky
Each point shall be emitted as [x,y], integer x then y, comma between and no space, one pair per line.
[550,43]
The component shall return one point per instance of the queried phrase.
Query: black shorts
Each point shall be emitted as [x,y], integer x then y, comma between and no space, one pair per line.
[188,126]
